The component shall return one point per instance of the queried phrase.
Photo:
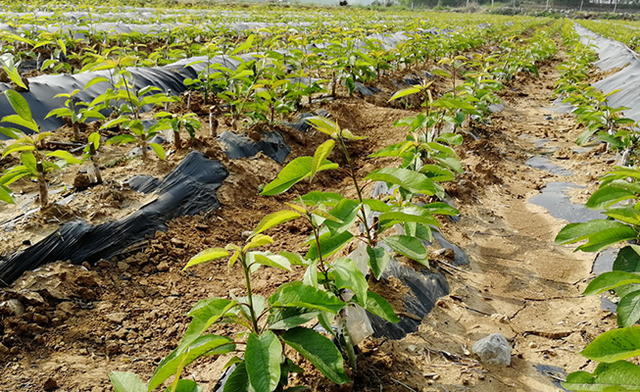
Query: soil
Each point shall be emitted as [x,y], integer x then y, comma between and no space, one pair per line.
[80,322]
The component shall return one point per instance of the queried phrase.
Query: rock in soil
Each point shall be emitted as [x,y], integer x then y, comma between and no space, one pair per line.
[493,350]
[50,384]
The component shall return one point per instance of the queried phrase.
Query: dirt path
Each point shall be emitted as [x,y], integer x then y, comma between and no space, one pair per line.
[518,283]
[127,314]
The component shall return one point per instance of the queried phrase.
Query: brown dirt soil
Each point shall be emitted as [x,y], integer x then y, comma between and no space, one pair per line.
[82,322]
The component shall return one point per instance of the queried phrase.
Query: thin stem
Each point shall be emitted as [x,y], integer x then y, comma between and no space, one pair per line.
[247,283]
[352,174]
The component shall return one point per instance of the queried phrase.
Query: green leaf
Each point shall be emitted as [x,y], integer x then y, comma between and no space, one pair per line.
[275,219]
[440,72]
[257,241]
[263,357]
[238,380]
[347,275]
[184,355]
[575,232]
[95,139]
[325,126]
[405,92]
[287,318]
[626,214]
[292,173]
[610,280]
[318,350]
[158,150]
[378,260]
[96,80]
[17,147]
[29,161]
[451,138]
[614,345]
[121,139]
[65,156]
[321,154]
[329,244]
[207,255]
[18,120]
[127,382]
[270,260]
[621,376]
[410,180]
[204,314]
[294,258]
[19,104]
[5,195]
[315,198]
[441,208]
[380,307]
[410,247]
[388,219]
[628,259]
[186,386]
[11,133]
[608,195]
[606,238]
[629,309]
[376,205]
[299,295]
[600,233]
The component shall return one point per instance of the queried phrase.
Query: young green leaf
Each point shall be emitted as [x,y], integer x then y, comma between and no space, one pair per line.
[127,382]
[270,260]
[158,150]
[321,154]
[204,314]
[207,255]
[19,104]
[5,195]
[275,219]
[65,156]
[263,357]
[257,241]
[405,92]
[183,356]
[325,126]
[186,386]
[294,172]
[318,350]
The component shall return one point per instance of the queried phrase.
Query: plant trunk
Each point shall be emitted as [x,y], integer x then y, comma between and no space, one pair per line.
[76,131]
[144,151]
[94,161]
[42,184]
[213,125]
[176,139]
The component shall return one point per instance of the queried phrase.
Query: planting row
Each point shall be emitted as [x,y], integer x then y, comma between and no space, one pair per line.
[617,197]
